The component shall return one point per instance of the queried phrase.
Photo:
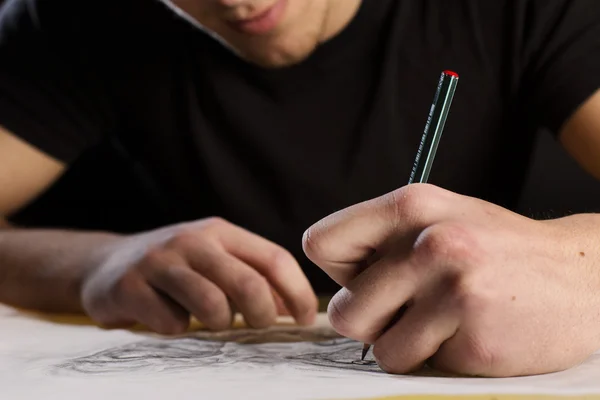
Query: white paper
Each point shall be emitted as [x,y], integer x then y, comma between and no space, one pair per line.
[41,359]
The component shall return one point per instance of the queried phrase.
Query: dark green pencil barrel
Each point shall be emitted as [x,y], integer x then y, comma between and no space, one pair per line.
[434,127]
[431,137]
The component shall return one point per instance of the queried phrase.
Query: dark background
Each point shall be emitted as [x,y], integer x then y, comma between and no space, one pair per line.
[557,186]
[104,191]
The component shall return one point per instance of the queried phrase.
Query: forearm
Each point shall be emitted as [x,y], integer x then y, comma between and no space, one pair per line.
[575,240]
[583,232]
[43,269]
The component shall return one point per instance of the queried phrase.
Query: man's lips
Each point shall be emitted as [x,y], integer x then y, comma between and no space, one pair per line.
[262,22]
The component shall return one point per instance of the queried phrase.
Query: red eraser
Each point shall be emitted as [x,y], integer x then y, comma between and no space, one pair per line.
[451,73]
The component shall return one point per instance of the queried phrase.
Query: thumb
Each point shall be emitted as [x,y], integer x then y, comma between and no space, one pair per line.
[344,243]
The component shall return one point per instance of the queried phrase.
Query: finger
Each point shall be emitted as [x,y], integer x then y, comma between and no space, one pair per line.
[340,243]
[278,266]
[202,298]
[246,288]
[117,322]
[417,336]
[280,304]
[154,310]
[366,306]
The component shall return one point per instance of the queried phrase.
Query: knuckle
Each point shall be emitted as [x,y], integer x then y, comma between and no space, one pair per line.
[478,357]
[407,199]
[185,240]
[468,293]
[172,278]
[447,243]
[193,235]
[155,257]
[280,261]
[252,287]
[471,291]
[162,264]
[410,202]
[214,224]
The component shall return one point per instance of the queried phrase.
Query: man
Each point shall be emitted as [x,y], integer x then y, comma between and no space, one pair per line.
[256,119]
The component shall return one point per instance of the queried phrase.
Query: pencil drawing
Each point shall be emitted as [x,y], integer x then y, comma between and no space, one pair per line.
[341,353]
[315,350]
[42,360]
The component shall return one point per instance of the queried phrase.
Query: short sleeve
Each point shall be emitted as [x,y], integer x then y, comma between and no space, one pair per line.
[52,92]
[562,48]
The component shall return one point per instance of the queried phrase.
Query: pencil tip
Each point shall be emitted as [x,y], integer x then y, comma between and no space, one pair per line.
[366,348]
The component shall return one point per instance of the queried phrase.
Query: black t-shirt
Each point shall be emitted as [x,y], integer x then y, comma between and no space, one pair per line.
[276,150]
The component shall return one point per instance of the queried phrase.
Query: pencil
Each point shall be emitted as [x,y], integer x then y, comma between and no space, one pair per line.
[440,108]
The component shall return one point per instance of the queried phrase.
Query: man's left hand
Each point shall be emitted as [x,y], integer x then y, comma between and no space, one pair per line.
[430,276]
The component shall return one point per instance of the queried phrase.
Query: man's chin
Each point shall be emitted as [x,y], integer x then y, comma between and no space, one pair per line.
[278,53]
[274,60]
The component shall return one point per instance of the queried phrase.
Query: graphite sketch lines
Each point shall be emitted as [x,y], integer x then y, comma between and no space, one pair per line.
[191,353]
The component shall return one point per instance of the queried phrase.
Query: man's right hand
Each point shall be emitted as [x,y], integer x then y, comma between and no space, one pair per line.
[208,269]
